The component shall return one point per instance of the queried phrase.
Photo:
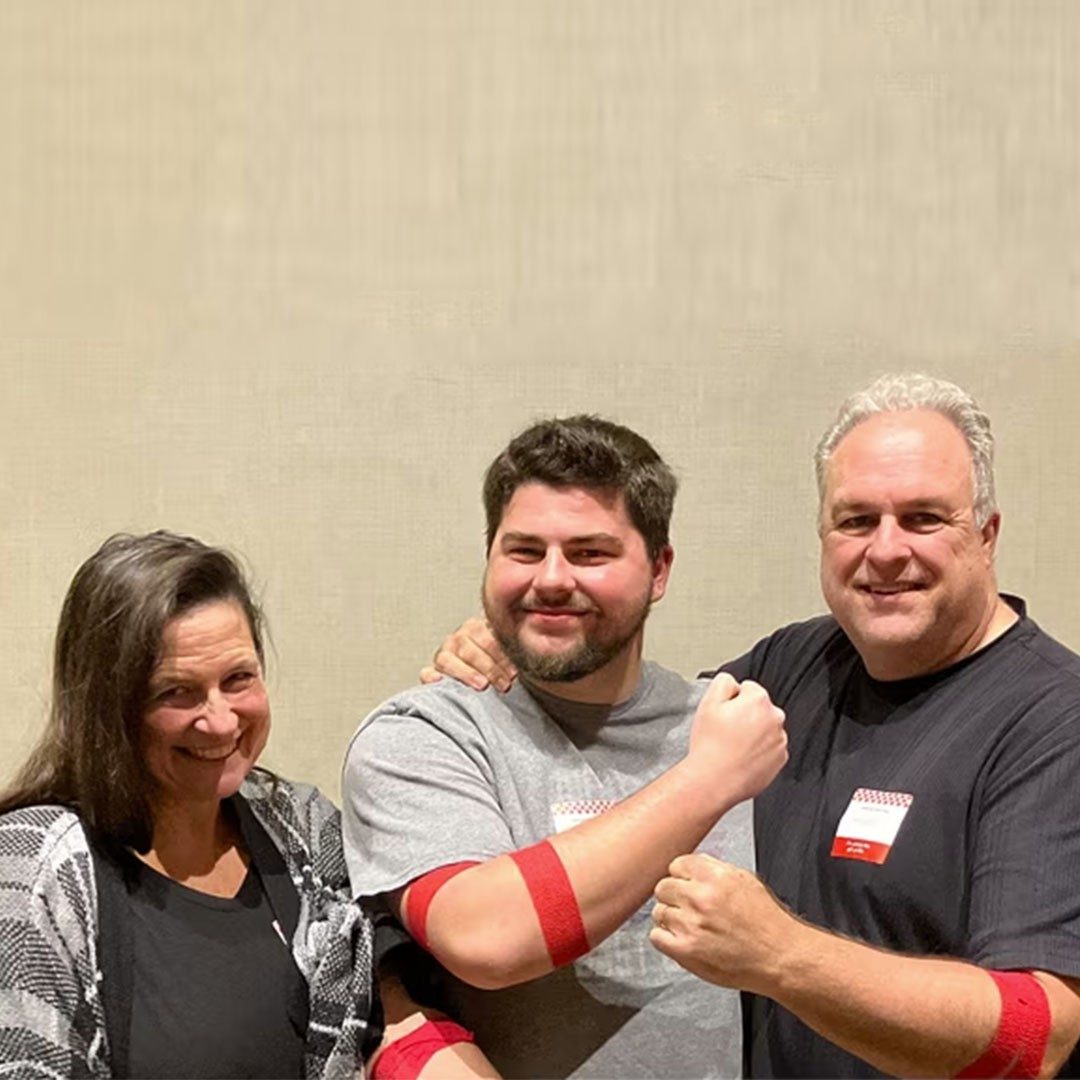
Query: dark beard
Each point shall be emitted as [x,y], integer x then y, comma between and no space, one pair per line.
[567,667]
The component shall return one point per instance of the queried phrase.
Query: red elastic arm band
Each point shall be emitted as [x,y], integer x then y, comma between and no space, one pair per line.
[553,897]
[1022,1032]
[405,1057]
[422,891]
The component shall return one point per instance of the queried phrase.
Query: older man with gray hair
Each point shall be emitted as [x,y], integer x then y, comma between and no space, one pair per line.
[930,814]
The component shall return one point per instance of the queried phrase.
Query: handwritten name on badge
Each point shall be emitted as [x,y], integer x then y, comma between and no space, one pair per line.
[870,824]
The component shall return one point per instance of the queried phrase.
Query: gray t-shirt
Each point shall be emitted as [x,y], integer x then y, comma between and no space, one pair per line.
[443,774]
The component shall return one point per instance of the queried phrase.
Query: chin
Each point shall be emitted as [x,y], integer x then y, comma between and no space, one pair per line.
[229,782]
[899,649]
[550,648]
[878,634]
[879,639]
[557,638]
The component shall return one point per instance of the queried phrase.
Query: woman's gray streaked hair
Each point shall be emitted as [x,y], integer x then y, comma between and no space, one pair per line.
[913,390]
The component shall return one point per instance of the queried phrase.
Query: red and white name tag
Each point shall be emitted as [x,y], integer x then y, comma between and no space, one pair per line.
[870,824]
[573,812]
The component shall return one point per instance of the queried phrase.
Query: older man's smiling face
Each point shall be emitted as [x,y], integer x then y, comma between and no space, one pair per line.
[904,568]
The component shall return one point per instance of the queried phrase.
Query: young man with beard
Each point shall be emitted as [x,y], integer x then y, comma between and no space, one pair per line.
[518,835]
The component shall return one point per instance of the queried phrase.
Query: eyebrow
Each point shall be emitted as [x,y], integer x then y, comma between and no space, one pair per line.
[532,538]
[169,672]
[847,506]
[862,506]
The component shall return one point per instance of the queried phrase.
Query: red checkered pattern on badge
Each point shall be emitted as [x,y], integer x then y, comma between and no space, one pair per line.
[582,807]
[882,798]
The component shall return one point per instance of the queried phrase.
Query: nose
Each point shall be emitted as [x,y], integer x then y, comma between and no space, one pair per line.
[554,574]
[888,545]
[216,716]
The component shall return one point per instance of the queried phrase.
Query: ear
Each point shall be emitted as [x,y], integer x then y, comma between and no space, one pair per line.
[661,570]
[990,533]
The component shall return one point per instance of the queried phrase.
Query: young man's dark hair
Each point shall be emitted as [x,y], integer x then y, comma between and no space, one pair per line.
[592,453]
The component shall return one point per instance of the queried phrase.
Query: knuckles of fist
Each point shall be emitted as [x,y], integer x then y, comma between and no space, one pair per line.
[711,916]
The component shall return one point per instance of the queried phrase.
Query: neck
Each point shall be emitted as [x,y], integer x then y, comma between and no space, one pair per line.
[199,845]
[612,684]
[997,618]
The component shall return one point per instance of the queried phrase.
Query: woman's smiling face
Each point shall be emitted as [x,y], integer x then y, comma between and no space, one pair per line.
[207,716]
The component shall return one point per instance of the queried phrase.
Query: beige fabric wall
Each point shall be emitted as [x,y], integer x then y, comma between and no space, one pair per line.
[286,276]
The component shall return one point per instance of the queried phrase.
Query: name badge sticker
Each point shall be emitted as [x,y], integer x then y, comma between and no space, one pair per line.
[870,824]
[573,812]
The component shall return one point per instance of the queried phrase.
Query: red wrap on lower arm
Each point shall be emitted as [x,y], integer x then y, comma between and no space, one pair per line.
[553,898]
[1022,1032]
[421,892]
[405,1058]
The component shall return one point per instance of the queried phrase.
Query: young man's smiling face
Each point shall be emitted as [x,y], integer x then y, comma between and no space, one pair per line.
[569,581]
[904,568]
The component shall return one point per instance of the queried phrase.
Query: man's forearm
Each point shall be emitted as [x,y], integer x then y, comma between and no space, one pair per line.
[483,924]
[906,1015]
[492,924]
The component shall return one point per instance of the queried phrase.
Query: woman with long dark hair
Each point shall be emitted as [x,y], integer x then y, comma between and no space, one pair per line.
[168,908]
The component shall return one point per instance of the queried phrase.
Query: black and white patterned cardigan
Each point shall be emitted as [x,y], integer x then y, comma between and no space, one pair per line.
[65,936]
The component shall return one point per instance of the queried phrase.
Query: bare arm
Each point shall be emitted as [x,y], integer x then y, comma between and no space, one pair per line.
[403,1016]
[482,925]
[908,1016]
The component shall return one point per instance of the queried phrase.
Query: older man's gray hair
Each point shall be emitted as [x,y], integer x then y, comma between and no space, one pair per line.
[912,390]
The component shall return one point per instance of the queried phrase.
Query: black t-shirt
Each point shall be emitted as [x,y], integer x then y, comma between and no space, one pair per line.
[216,990]
[986,863]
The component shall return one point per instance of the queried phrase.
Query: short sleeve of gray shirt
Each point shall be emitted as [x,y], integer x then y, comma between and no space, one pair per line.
[419,789]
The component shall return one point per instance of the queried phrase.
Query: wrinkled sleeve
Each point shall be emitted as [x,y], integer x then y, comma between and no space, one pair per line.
[1025,904]
[51,1022]
[332,944]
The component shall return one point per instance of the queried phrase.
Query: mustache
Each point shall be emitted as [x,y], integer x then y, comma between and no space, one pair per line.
[572,608]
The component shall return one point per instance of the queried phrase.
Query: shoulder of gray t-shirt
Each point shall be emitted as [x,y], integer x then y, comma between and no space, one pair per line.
[443,772]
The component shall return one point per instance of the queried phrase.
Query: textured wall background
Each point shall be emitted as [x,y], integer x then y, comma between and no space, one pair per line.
[287,276]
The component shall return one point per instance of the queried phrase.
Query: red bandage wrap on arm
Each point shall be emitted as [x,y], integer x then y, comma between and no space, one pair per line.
[556,905]
[422,891]
[405,1057]
[1022,1032]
